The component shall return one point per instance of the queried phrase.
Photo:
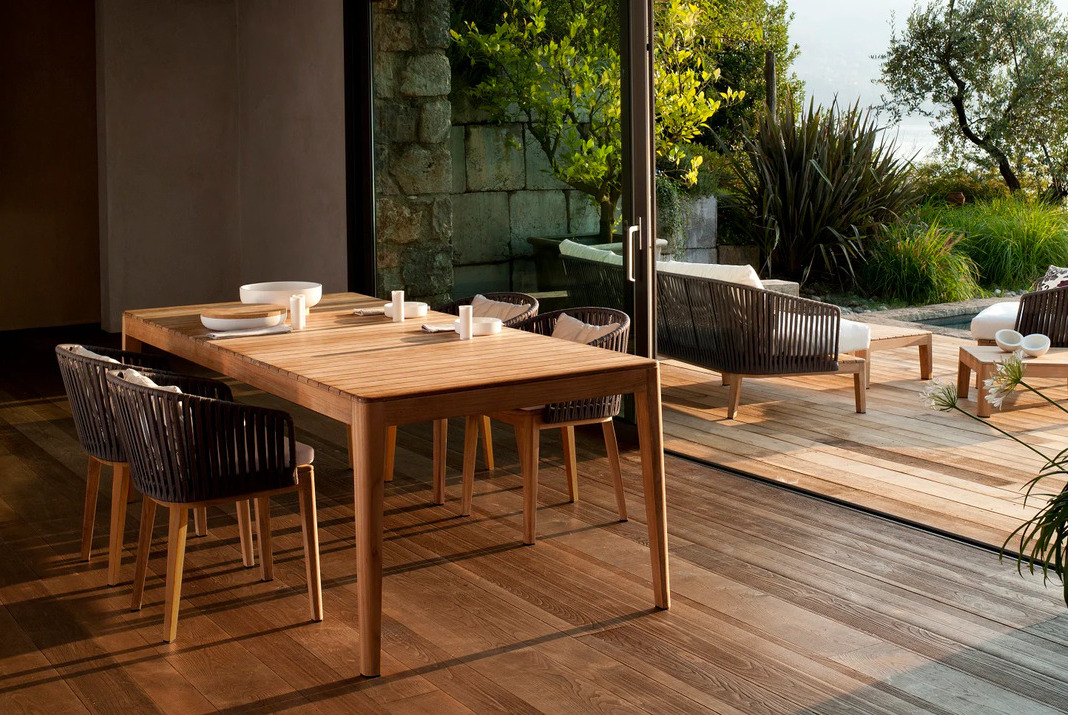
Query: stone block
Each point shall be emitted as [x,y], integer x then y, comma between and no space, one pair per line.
[385,73]
[422,169]
[459,160]
[539,171]
[435,121]
[426,269]
[485,278]
[536,213]
[583,216]
[393,32]
[433,18]
[480,227]
[396,120]
[464,108]
[495,158]
[441,220]
[701,218]
[426,75]
[401,221]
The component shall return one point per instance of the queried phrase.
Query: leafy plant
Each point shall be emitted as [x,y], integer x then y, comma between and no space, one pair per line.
[819,186]
[917,263]
[1011,240]
[935,180]
[1043,538]
[560,74]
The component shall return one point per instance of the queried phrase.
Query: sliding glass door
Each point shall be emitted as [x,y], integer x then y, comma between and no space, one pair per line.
[491,140]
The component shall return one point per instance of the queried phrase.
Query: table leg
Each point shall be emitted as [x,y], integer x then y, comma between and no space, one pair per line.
[964,374]
[926,358]
[651,438]
[369,437]
[983,406]
[132,345]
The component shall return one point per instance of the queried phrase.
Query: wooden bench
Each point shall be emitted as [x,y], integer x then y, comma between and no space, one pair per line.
[886,337]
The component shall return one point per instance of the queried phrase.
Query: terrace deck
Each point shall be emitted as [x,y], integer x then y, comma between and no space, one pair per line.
[942,470]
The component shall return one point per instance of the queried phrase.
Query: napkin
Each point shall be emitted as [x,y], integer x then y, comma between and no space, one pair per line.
[439,328]
[250,332]
[370,311]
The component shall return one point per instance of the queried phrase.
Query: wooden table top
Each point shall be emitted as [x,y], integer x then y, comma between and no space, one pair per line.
[372,358]
[880,331]
[1056,357]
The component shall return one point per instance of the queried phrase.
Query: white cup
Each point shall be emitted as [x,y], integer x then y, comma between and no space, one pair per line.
[297,315]
[466,320]
[398,306]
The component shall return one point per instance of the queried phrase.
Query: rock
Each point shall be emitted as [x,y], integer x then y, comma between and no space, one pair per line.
[536,213]
[435,121]
[997,291]
[423,170]
[495,158]
[426,75]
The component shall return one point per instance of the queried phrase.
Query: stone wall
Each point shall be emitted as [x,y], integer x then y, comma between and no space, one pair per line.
[503,193]
[413,165]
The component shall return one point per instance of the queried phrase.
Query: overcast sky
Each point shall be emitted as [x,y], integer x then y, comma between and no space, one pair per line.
[837,39]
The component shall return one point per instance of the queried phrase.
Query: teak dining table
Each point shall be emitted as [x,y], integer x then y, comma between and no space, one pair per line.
[371,373]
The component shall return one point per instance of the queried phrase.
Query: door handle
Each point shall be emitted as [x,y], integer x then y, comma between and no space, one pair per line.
[628,246]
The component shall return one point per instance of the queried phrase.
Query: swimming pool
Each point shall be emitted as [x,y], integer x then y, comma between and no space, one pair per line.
[961,321]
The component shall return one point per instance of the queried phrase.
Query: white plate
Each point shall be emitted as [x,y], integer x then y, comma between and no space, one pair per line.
[268,321]
[412,309]
[278,292]
[481,326]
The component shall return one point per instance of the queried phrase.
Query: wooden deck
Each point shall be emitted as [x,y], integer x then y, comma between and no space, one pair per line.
[781,602]
[943,470]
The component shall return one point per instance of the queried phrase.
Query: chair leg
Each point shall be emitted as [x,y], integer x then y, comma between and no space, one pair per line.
[611,446]
[309,526]
[120,490]
[177,533]
[859,394]
[244,530]
[441,447]
[391,451]
[866,355]
[527,437]
[487,441]
[144,545]
[200,520]
[570,462]
[263,538]
[471,428]
[735,394]
[92,487]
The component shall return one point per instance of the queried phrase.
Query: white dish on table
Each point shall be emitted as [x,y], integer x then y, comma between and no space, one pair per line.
[1008,339]
[1035,345]
[481,326]
[412,309]
[278,292]
[244,317]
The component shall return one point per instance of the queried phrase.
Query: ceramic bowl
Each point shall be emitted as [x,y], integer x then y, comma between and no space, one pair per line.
[481,326]
[278,292]
[1008,340]
[412,309]
[1035,345]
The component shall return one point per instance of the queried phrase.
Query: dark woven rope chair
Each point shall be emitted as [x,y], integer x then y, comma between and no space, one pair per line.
[740,331]
[189,451]
[592,283]
[441,427]
[1045,312]
[565,416]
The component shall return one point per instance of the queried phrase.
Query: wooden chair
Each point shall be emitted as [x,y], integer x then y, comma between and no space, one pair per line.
[528,423]
[441,427]
[187,451]
[83,380]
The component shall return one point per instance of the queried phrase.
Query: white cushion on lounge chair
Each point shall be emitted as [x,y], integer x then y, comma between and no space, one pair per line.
[743,275]
[852,336]
[994,318]
[136,378]
[483,307]
[589,253]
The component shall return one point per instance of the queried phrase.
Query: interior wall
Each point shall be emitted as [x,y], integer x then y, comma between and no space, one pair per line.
[222,148]
[48,210]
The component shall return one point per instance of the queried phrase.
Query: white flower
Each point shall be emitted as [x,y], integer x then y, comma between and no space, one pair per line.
[1006,378]
[939,395]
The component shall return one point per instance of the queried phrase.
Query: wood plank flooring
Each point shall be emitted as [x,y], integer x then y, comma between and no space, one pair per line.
[781,603]
[943,470]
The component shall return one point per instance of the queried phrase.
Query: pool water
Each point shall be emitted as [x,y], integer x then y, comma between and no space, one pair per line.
[958,322]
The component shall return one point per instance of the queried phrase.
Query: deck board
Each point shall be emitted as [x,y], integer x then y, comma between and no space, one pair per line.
[781,602]
[942,470]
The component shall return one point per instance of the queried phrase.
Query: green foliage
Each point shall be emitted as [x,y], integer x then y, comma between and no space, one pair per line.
[1012,241]
[916,263]
[993,75]
[557,64]
[818,186]
[936,180]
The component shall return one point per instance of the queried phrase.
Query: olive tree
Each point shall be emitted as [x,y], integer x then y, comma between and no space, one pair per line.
[993,75]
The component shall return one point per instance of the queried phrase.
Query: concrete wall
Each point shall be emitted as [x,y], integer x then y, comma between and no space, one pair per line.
[221,143]
[48,224]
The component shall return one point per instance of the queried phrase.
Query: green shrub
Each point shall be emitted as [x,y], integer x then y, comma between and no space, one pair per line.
[819,186]
[1012,241]
[917,263]
[935,181]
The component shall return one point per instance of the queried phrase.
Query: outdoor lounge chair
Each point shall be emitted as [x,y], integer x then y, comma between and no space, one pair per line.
[1040,311]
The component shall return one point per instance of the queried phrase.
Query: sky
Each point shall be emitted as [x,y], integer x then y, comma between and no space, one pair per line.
[837,39]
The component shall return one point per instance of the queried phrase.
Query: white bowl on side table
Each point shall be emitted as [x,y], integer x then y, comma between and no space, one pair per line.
[1035,345]
[278,292]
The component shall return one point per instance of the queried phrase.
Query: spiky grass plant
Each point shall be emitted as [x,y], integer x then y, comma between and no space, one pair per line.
[917,263]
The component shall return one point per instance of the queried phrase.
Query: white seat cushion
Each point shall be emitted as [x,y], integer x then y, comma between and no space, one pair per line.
[83,351]
[994,318]
[743,275]
[589,253]
[853,336]
[573,329]
[305,453]
[483,307]
[134,377]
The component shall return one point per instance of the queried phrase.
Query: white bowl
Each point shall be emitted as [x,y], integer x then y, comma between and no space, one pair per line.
[268,321]
[1008,340]
[1035,345]
[412,309]
[278,292]
[481,326]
